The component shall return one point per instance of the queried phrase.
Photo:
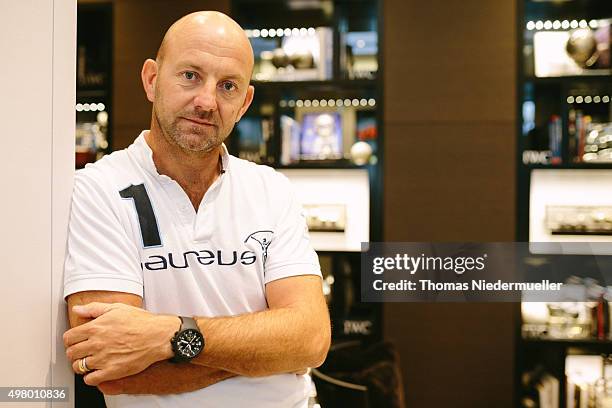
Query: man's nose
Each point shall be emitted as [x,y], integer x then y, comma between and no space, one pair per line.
[206,97]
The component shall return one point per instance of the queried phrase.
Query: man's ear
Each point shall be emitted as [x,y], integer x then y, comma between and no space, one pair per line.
[149,76]
[247,102]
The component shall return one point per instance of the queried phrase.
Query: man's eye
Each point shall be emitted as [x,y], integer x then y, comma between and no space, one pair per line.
[189,75]
[228,86]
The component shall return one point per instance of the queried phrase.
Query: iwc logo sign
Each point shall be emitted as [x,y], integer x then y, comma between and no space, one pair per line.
[263,238]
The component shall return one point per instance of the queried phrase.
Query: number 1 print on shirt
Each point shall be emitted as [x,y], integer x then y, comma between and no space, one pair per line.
[146,216]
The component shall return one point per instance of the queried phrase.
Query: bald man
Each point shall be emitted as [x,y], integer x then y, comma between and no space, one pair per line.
[190,278]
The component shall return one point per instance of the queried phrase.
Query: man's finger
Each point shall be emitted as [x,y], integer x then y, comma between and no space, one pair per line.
[79,350]
[75,367]
[95,378]
[76,335]
[92,310]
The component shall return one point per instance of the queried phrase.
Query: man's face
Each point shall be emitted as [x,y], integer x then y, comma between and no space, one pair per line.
[200,92]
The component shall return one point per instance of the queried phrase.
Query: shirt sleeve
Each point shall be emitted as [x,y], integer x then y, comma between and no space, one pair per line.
[290,252]
[100,254]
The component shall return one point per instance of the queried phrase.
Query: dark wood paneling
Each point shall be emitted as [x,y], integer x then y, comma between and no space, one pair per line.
[449,60]
[449,181]
[454,355]
[450,117]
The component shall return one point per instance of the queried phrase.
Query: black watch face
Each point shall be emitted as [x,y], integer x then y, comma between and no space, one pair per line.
[189,343]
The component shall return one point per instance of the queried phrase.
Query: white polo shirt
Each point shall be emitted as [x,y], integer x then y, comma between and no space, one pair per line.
[133,230]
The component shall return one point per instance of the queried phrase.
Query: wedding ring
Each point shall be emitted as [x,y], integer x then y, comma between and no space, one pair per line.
[83,366]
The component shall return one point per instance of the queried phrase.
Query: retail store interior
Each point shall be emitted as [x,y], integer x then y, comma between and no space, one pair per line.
[411,121]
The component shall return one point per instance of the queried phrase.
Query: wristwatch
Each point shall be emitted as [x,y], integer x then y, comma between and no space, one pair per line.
[188,341]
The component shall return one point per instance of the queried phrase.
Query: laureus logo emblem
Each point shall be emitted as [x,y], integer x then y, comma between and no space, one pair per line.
[263,238]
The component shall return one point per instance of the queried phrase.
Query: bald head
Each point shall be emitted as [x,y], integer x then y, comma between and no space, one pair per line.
[207,28]
[200,83]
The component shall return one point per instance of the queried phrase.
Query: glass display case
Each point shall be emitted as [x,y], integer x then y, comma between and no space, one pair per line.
[563,162]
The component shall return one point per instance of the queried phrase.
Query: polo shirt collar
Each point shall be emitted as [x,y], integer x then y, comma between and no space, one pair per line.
[146,156]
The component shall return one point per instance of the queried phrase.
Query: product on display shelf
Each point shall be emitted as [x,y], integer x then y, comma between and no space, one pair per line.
[321,136]
[596,141]
[581,51]
[555,135]
[296,55]
[579,220]
[253,136]
[589,381]
[583,313]
[290,140]
[360,56]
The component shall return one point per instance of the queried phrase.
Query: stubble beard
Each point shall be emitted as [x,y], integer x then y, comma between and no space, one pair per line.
[189,138]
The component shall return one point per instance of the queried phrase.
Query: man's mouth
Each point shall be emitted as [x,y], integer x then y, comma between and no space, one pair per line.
[199,121]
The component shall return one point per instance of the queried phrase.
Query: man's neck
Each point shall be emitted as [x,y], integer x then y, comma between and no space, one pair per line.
[195,173]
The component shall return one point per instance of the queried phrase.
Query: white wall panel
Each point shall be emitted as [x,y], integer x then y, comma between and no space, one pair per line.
[37,79]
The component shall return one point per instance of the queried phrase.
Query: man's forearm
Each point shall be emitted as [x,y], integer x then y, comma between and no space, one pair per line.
[165,377]
[264,343]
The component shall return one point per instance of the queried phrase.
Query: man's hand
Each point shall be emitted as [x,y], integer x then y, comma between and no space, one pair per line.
[121,341]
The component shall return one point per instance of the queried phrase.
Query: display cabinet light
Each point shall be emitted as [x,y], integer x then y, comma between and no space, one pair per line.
[593,24]
[556,24]
[307,103]
[570,99]
[548,25]
[579,99]
[315,103]
[282,103]
[539,25]
[271,33]
[583,24]
[280,32]
[299,103]
[339,102]
[363,102]
[287,32]
[347,102]
[371,102]
[86,107]
[295,31]
[249,33]
[264,33]
[530,25]
[574,24]
[596,99]
[303,32]
[588,99]
[311,31]
[79,107]
[331,102]
[256,33]
[101,107]
[605,99]
[323,103]
[291,103]
[355,102]
[565,24]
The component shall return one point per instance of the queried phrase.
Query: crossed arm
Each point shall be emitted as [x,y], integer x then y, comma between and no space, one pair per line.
[129,347]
